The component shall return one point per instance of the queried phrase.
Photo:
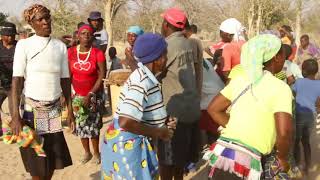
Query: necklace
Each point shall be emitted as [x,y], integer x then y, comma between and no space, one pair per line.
[78,56]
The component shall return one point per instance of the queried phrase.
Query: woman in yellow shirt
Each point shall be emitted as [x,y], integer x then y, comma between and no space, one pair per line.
[259,117]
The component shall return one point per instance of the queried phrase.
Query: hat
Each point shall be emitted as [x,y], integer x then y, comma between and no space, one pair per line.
[87,27]
[175,17]
[8,29]
[232,26]
[95,15]
[149,47]
[135,30]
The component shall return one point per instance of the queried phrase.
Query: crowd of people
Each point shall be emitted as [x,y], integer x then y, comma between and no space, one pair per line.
[245,110]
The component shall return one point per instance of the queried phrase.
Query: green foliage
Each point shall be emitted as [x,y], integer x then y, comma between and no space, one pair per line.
[3,17]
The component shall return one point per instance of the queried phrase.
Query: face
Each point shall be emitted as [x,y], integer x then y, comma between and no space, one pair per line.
[160,64]
[85,37]
[282,33]
[41,23]
[131,38]
[304,42]
[164,28]
[225,37]
[8,39]
[96,24]
[279,60]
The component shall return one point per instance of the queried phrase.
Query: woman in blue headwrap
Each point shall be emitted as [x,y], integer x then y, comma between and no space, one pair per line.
[141,114]
[133,33]
[259,118]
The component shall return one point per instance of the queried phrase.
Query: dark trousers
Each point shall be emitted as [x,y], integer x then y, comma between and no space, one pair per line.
[304,126]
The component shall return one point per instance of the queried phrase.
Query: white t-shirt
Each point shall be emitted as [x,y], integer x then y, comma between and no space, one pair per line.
[101,37]
[292,68]
[42,73]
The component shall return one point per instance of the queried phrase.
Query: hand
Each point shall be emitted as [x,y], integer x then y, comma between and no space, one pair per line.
[165,133]
[16,125]
[172,123]
[86,101]
[71,122]
[284,164]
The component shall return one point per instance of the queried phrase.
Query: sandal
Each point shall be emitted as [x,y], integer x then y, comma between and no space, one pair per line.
[86,158]
[96,159]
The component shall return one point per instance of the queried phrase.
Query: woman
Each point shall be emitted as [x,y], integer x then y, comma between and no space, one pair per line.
[87,69]
[126,151]
[40,68]
[132,34]
[260,114]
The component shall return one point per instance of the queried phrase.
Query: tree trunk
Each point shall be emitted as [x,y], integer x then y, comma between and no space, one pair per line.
[298,22]
[108,20]
[251,16]
[259,18]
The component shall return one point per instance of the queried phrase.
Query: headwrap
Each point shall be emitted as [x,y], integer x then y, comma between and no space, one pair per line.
[233,26]
[135,30]
[255,52]
[149,47]
[87,27]
[30,12]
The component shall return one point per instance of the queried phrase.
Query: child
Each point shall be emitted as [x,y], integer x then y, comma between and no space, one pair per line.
[307,91]
[115,61]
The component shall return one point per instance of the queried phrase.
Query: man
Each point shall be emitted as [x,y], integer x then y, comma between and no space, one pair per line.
[7,47]
[96,21]
[191,34]
[180,96]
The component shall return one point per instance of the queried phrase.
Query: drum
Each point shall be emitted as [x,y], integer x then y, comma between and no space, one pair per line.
[115,81]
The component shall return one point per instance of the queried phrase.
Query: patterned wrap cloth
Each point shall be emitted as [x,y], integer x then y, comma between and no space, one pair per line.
[27,137]
[234,158]
[131,155]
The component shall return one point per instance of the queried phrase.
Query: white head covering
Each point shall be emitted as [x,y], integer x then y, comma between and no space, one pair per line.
[233,26]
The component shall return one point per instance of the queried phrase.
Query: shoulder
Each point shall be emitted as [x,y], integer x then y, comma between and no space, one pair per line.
[277,84]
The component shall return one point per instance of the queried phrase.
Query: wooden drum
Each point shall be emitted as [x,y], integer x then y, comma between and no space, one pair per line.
[115,81]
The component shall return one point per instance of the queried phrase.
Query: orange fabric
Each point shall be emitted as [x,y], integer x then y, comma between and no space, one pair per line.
[231,55]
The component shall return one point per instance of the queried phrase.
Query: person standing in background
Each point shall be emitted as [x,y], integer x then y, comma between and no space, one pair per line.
[7,47]
[96,21]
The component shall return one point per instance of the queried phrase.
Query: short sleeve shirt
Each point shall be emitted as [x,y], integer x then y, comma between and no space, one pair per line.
[252,116]
[141,99]
[101,37]
[231,55]
[42,61]
[6,64]
[84,73]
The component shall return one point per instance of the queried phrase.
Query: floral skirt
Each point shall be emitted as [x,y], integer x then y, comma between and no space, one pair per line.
[126,155]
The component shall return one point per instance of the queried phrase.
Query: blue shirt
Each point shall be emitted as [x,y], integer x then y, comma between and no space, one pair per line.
[141,98]
[307,91]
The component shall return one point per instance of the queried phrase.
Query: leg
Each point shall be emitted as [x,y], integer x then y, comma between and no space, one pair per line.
[178,173]
[166,172]
[296,151]
[36,178]
[87,156]
[96,152]
[306,146]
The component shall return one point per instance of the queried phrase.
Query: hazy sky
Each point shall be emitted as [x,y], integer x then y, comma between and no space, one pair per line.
[14,7]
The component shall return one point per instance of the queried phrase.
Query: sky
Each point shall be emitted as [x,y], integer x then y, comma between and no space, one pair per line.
[14,7]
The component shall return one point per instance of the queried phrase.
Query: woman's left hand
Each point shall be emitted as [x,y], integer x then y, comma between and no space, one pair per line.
[71,122]
[86,100]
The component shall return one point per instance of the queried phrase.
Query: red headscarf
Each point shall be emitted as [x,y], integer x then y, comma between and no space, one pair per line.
[87,27]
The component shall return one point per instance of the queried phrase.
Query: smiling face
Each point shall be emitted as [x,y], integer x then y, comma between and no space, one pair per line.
[41,23]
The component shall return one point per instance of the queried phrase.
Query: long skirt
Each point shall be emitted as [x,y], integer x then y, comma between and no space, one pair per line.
[127,156]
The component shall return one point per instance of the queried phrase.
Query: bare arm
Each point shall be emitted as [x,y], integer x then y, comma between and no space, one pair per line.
[217,109]
[103,48]
[132,63]
[198,68]
[66,90]
[101,75]
[207,50]
[284,137]
[136,127]
[16,91]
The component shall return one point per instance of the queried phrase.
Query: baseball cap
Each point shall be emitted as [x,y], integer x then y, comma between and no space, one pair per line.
[175,17]
[8,29]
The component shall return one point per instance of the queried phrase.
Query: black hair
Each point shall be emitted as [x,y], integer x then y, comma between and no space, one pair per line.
[112,50]
[193,28]
[172,27]
[287,28]
[287,49]
[310,67]
[80,24]
[304,36]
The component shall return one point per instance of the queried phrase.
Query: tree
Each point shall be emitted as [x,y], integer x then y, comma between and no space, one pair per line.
[3,17]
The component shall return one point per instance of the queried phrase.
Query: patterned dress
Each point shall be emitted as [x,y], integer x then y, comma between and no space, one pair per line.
[126,155]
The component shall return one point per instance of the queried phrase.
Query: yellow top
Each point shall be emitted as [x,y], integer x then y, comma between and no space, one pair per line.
[252,116]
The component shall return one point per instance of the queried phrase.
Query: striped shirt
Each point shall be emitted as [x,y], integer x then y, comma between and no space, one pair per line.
[141,98]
